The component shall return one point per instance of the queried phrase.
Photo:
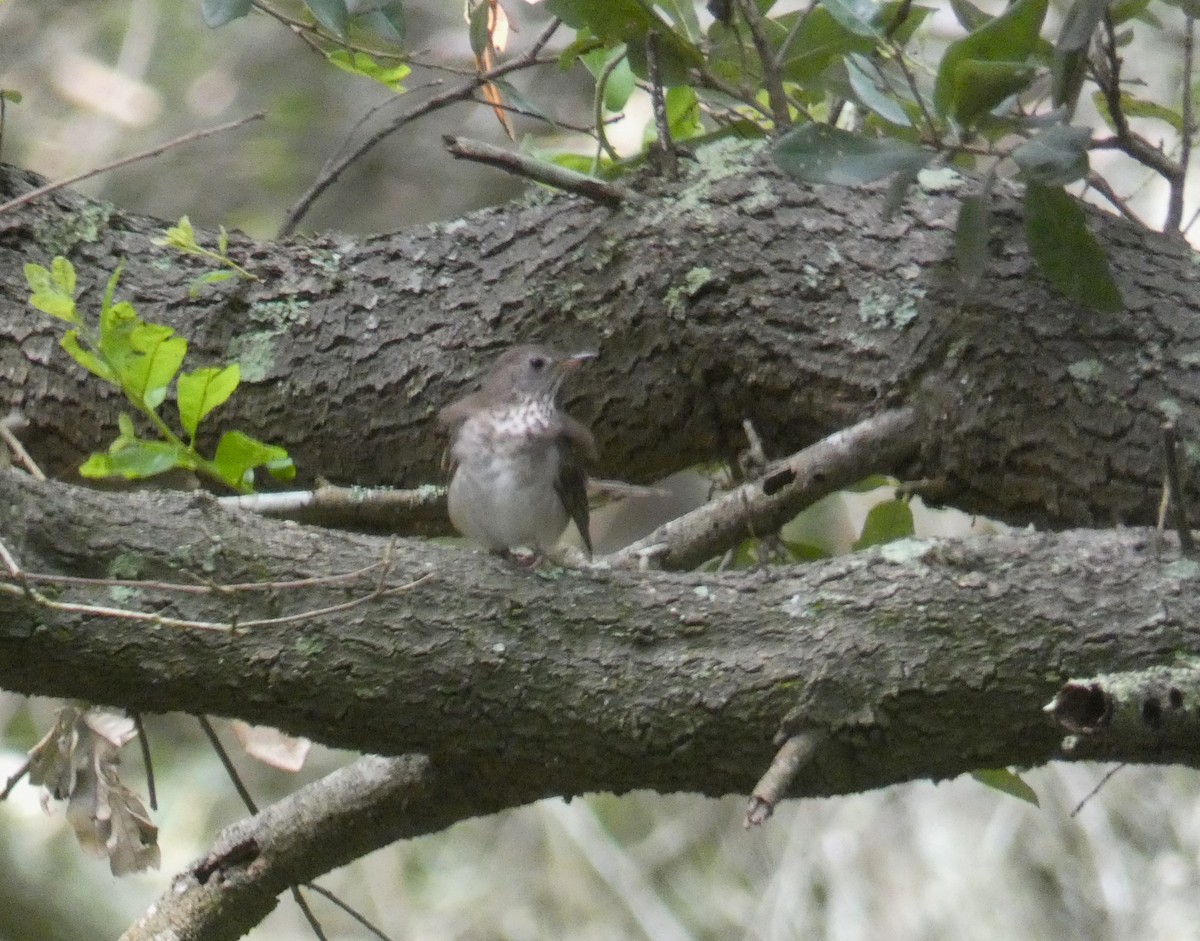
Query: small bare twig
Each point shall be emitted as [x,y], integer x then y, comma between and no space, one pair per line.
[772,74]
[13,422]
[1098,183]
[353,913]
[125,161]
[331,172]
[15,778]
[1107,74]
[602,143]
[1175,201]
[664,146]
[147,764]
[1096,790]
[1175,482]
[600,191]
[773,785]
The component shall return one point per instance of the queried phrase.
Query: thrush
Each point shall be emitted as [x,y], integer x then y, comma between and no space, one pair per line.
[516,457]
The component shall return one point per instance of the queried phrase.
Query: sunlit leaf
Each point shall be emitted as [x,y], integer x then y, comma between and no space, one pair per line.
[886,522]
[360,63]
[1064,249]
[979,86]
[201,391]
[238,455]
[134,460]
[1007,782]
[85,358]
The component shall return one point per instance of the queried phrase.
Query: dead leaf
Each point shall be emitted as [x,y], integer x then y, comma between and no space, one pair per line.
[271,746]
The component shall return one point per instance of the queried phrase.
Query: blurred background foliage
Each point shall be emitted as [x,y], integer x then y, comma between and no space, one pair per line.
[921,861]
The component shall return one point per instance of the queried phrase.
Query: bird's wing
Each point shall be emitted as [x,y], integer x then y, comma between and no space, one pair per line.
[572,489]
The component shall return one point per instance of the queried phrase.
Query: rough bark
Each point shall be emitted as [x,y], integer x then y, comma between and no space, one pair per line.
[734,293]
[922,659]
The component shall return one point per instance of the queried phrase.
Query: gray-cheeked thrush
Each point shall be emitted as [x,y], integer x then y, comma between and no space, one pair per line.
[516,457]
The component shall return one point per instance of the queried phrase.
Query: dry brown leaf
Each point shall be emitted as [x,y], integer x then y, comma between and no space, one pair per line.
[271,746]
[76,761]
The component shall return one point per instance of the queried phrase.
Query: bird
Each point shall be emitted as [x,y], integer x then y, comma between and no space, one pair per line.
[516,459]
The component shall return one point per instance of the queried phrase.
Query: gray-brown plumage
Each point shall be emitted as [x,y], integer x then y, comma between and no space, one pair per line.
[516,457]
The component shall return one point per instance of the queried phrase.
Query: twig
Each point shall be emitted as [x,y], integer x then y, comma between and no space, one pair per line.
[600,191]
[1108,78]
[602,142]
[1096,790]
[9,425]
[664,146]
[151,791]
[1175,479]
[211,734]
[302,904]
[876,445]
[1104,188]
[773,785]
[15,778]
[23,589]
[353,913]
[125,161]
[1175,201]
[772,75]
[464,91]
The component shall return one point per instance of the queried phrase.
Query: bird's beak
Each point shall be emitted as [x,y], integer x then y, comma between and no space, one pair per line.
[574,361]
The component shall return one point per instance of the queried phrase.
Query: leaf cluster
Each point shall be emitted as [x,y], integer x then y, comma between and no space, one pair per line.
[143,359]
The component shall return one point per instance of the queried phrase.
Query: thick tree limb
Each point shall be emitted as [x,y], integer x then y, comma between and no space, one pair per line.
[327,824]
[921,659]
[731,294]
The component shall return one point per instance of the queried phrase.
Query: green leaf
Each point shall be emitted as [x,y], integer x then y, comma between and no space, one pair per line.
[620,82]
[134,460]
[1065,250]
[360,63]
[1007,782]
[865,81]
[1070,52]
[53,289]
[201,391]
[11,94]
[1011,38]
[145,356]
[478,30]
[238,455]
[86,358]
[683,112]
[818,153]
[125,424]
[219,12]
[856,16]
[1135,107]
[971,238]
[969,16]
[1056,156]
[181,236]
[979,86]
[209,277]
[886,522]
[332,14]
[630,22]
[111,288]
[387,21]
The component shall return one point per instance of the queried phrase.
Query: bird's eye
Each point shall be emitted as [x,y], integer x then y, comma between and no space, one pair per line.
[537,362]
